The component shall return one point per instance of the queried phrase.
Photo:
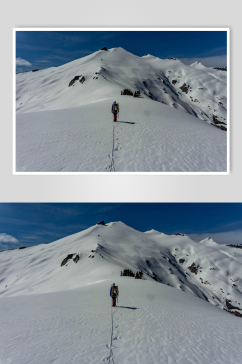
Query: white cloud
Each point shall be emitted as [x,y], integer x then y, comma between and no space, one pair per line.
[213,61]
[228,237]
[8,241]
[5,238]
[22,62]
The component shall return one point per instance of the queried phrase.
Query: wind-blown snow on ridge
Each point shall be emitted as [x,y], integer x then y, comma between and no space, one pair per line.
[207,270]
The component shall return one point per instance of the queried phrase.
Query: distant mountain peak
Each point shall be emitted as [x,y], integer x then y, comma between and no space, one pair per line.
[198,63]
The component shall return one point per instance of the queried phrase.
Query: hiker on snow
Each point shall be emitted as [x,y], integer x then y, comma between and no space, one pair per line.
[115,110]
[114,294]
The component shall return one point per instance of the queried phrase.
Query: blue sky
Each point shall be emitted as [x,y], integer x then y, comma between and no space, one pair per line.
[41,49]
[30,224]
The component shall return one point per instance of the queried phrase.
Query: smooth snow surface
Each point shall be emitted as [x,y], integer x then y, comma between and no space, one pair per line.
[70,129]
[62,314]
[148,137]
[152,324]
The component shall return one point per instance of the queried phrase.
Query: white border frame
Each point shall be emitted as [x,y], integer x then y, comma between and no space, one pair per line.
[121,173]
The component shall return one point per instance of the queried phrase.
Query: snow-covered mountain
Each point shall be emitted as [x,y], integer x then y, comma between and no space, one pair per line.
[206,269]
[55,304]
[195,89]
[64,121]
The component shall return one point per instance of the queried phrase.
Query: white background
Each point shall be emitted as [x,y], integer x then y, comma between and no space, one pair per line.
[113,188]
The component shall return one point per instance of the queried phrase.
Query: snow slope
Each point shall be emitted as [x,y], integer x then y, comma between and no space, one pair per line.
[106,73]
[149,137]
[207,270]
[56,307]
[62,128]
[153,323]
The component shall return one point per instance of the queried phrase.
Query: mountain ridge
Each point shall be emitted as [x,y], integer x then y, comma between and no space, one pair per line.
[208,271]
[167,81]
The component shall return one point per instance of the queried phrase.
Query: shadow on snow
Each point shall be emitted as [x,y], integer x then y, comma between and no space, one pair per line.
[125,122]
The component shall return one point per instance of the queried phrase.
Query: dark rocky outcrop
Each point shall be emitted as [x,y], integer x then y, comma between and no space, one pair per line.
[82,79]
[193,268]
[73,80]
[184,88]
[236,313]
[69,256]
[230,306]
[220,69]
[181,261]
[220,127]
[174,82]
[204,282]
[103,49]
[35,70]
[219,124]
[235,246]
[23,247]
[101,223]
[216,121]
[76,258]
